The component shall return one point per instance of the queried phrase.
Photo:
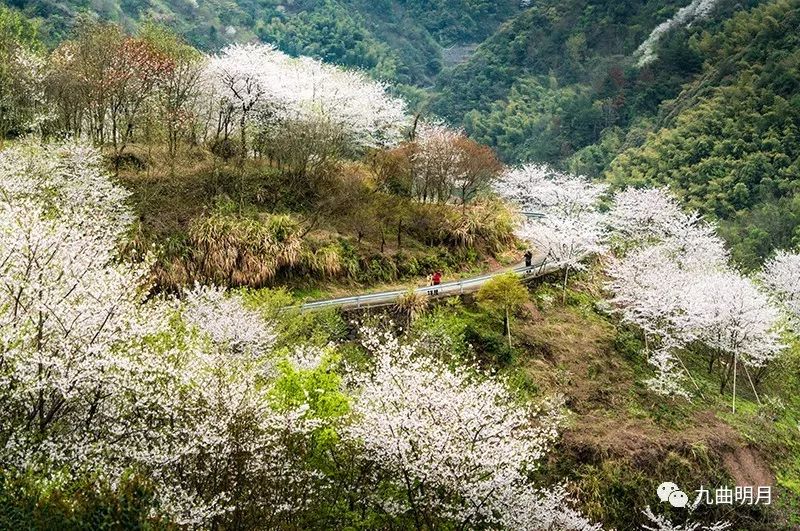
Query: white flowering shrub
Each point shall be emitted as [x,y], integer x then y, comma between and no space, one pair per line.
[226,320]
[23,106]
[662,523]
[572,228]
[456,443]
[642,215]
[781,276]
[566,240]
[540,188]
[259,86]
[676,285]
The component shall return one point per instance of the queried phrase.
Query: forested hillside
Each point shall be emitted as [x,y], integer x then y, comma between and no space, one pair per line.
[400,40]
[730,141]
[713,111]
[173,194]
[564,75]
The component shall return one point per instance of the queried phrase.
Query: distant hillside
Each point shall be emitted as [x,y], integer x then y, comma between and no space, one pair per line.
[715,114]
[730,142]
[557,77]
[401,40]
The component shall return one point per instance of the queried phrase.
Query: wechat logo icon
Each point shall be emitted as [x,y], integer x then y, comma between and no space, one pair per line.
[670,492]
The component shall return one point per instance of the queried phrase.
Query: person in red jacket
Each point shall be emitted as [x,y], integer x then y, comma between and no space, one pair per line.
[436,279]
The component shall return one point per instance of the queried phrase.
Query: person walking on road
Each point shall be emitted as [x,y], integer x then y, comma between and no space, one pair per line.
[528,258]
[437,279]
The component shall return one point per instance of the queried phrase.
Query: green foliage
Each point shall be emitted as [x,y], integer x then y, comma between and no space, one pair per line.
[18,36]
[504,292]
[729,145]
[319,387]
[333,34]
[31,502]
[716,116]
[292,326]
[16,30]
[527,126]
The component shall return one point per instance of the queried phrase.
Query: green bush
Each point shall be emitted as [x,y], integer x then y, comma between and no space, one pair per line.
[491,347]
[36,503]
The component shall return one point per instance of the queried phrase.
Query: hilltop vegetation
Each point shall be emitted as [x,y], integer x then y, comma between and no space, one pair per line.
[162,210]
[713,113]
[252,168]
[399,40]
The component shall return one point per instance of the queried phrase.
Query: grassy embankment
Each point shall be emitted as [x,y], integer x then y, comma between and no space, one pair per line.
[255,226]
[622,440]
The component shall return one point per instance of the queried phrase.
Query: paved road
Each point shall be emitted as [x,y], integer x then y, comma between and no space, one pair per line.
[540,267]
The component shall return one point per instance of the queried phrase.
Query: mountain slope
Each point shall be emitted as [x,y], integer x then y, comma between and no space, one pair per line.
[730,142]
[557,77]
[401,40]
[714,114]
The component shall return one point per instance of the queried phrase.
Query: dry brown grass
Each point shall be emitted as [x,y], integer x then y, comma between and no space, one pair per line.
[241,226]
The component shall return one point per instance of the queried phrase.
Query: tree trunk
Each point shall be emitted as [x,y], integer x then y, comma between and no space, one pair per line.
[399,234]
[243,155]
[564,290]
[508,327]
[735,360]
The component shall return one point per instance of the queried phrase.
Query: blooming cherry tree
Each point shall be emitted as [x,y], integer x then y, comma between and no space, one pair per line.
[437,161]
[66,299]
[226,320]
[456,442]
[93,379]
[567,240]
[264,87]
[679,289]
[737,321]
[237,78]
[781,276]
[539,187]
[641,215]
[214,435]
[571,228]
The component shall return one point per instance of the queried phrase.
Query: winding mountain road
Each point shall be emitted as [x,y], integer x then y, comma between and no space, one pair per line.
[540,266]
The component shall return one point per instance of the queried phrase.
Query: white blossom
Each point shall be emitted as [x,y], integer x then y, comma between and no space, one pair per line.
[67,299]
[567,240]
[670,378]
[265,87]
[308,357]
[732,315]
[679,289]
[458,438]
[641,215]
[93,379]
[781,276]
[437,160]
[662,523]
[540,188]
[226,320]
[697,9]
